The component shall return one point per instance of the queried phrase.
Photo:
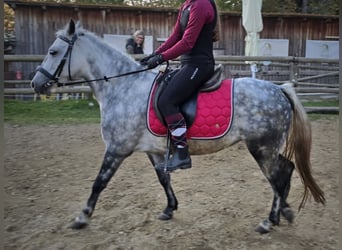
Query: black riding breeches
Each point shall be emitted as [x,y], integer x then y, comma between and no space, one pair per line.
[182,86]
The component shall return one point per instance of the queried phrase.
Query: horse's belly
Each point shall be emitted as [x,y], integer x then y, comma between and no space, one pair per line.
[200,147]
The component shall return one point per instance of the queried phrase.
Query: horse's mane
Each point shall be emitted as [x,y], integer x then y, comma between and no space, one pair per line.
[95,39]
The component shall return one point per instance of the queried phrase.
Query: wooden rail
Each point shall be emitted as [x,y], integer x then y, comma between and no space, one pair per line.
[305,90]
[223,58]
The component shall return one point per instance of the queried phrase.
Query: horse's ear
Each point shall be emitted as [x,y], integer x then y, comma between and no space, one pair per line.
[71,27]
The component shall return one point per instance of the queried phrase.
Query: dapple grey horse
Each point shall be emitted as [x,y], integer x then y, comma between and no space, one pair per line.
[269,118]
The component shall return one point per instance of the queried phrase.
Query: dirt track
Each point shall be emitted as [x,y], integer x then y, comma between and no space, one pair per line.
[49,172]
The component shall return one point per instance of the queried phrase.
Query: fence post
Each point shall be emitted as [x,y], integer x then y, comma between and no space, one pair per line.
[293,71]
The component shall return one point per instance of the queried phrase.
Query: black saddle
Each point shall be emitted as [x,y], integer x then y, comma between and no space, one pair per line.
[188,108]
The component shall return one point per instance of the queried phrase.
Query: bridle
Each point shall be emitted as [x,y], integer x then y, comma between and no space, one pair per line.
[55,77]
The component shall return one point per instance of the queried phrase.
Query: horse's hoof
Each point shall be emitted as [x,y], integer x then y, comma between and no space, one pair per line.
[264,227]
[78,225]
[164,216]
[261,230]
[80,222]
[288,214]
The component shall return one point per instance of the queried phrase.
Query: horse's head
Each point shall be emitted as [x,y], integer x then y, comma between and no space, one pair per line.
[59,62]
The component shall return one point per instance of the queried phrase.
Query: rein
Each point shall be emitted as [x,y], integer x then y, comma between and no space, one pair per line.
[54,78]
[106,78]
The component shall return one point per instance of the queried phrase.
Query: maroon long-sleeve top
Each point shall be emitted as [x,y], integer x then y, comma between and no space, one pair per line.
[201,13]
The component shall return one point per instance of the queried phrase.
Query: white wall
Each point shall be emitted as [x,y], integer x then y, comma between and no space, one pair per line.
[322,49]
[273,47]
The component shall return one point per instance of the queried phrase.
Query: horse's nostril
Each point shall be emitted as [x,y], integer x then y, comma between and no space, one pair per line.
[32,84]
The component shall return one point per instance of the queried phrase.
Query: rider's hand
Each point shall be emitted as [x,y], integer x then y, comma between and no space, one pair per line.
[146,58]
[155,61]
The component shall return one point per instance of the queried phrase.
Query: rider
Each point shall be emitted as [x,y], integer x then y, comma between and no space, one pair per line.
[192,38]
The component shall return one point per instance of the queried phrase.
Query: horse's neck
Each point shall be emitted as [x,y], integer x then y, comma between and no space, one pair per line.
[106,61]
[124,91]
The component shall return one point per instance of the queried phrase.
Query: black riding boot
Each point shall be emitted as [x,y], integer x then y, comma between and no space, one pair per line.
[179,160]
[181,157]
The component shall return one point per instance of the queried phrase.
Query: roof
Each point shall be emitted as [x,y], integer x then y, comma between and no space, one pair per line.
[15,3]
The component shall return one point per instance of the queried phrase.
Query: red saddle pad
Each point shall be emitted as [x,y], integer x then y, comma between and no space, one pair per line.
[213,117]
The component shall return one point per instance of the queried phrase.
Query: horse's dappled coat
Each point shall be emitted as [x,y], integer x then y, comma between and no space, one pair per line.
[265,117]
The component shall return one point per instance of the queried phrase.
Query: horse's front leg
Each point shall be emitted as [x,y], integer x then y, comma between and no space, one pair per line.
[109,166]
[165,181]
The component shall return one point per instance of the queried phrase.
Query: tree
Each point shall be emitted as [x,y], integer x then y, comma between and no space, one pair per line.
[326,7]
[229,5]
[155,3]
[9,34]
[9,19]
[275,6]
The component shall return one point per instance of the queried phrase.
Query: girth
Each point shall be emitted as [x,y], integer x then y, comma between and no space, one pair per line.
[188,108]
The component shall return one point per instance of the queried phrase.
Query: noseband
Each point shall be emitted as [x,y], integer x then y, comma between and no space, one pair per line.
[54,78]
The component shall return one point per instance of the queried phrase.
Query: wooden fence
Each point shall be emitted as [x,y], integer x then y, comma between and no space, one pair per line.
[314,79]
[36,23]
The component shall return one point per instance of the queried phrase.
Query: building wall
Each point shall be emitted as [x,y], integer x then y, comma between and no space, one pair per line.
[36,24]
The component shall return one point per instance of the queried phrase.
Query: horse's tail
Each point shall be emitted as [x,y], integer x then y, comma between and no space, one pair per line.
[298,144]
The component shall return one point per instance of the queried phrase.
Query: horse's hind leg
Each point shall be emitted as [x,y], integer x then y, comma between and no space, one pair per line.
[109,166]
[165,181]
[285,172]
[278,171]
[280,180]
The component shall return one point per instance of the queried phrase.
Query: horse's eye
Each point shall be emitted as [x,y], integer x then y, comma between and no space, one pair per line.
[52,52]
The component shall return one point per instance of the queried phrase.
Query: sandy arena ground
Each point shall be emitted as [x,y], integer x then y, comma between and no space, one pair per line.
[49,171]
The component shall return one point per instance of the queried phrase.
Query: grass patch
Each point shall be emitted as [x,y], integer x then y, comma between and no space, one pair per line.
[79,111]
[328,103]
[322,103]
[315,117]
[51,112]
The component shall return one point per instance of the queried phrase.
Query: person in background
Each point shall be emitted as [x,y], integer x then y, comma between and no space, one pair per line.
[135,44]
[195,31]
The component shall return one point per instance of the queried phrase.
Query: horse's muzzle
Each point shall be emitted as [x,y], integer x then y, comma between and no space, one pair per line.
[43,89]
